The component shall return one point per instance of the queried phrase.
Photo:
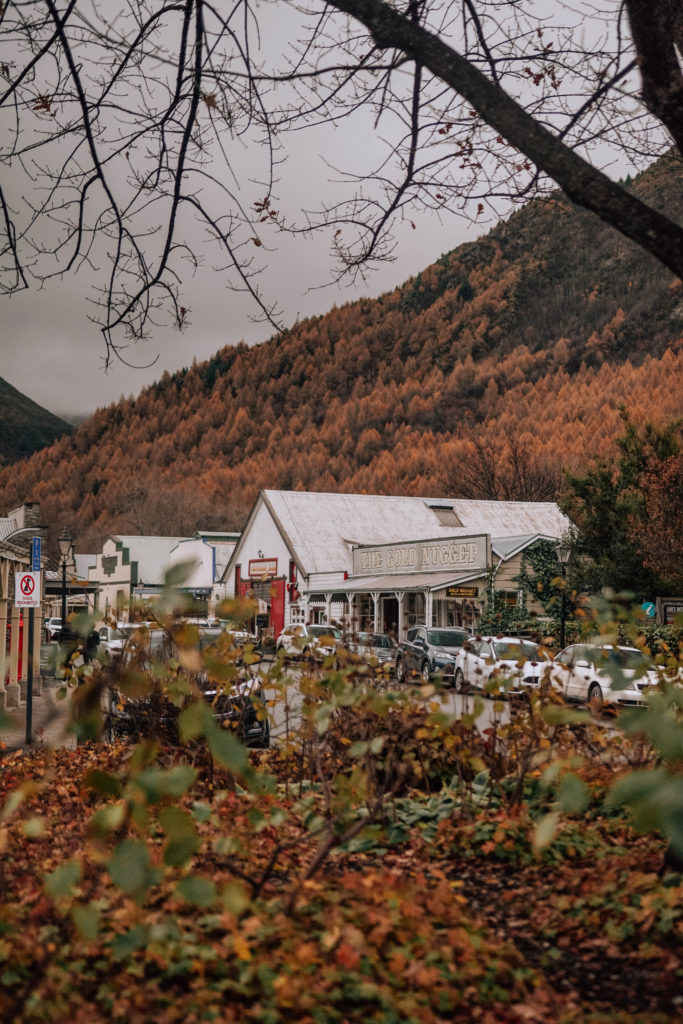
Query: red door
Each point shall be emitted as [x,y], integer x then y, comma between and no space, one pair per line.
[277,606]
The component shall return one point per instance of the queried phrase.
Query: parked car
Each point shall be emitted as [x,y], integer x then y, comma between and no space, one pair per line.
[428,651]
[378,646]
[52,627]
[308,641]
[500,664]
[118,641]
[605,673]
[240,635]
[242,708]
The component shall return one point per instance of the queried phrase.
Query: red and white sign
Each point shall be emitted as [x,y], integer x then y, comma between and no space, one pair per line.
[262,568]
[27,590]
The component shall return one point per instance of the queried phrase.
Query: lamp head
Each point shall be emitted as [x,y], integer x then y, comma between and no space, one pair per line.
[564,550]
[65,544]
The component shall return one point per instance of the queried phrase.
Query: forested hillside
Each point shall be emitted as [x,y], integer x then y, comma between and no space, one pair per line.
[512,352]
[25,426]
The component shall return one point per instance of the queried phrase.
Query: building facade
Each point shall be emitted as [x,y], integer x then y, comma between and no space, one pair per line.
[382,562]
[132,569]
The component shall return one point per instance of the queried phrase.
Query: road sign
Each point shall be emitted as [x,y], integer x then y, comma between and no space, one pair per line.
[649,608]
[27,589]
[35,554]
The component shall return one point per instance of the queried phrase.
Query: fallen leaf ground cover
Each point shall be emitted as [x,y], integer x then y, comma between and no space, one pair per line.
[196,904]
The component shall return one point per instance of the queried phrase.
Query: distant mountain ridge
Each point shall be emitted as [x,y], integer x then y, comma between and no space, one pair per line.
[519,347]
[25,427]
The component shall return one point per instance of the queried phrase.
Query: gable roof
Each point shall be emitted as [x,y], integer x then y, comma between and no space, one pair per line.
[507,547]
[322,529]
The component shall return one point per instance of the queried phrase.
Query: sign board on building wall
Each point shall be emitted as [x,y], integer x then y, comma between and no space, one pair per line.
[260,567]
[462,592]
[27,590]
[458,553]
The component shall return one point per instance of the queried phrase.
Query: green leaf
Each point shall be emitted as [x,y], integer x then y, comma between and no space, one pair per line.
[201,811]
[87,920]
[159,782]
[226,749]
[197,890]
[131,869]
[63,879]
[107,819]
[235,898]
[192,721]
[129,942]
[103,783]
[555,714]
[34,828]
[573,795]
[182,841]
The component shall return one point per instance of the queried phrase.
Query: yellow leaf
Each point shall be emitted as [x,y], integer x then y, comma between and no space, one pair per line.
[242,949]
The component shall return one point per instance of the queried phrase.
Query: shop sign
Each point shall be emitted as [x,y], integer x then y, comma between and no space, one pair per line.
[469,553]
[260,568]
[462,592]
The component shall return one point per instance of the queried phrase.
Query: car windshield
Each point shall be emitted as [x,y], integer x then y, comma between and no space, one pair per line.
[625,658]
[445,638]
[382,640]
[325,631]
[506,650]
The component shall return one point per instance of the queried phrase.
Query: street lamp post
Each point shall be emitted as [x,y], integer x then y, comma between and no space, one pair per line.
[564,551]
[66,551]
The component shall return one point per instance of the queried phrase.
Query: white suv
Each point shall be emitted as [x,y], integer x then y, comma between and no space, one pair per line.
[52,627]
[312,641]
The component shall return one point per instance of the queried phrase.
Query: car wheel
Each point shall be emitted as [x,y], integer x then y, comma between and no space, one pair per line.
[595,694]
[424,672]
[459,681]
[400,672]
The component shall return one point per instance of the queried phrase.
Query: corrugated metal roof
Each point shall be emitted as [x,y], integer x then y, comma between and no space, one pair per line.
[407,581]
[323,528]
[152,554]
[505,547]
[7,526]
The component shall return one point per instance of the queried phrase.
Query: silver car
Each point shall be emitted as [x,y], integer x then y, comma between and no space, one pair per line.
[315,641]
[378,647]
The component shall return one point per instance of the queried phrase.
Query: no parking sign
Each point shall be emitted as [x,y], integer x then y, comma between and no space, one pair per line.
[27,590]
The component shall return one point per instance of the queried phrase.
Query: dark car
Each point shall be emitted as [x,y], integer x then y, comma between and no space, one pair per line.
[429,651]
[242,708]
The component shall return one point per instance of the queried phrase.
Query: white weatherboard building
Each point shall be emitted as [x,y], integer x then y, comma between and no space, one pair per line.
[382,562]
[131,569]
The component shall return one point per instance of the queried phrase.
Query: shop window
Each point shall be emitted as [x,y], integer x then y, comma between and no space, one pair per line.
[415,609]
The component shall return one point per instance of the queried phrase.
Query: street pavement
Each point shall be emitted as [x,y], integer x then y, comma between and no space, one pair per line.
[50,719]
